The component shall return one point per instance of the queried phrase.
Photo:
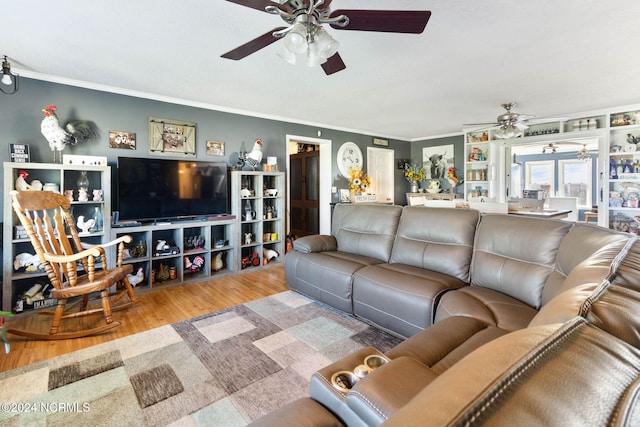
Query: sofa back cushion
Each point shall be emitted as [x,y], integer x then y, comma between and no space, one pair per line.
[437,239]
[586,254]
[367,230]
[628,272]
[515,255]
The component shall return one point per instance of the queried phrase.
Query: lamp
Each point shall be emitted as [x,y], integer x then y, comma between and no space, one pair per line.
[8,78]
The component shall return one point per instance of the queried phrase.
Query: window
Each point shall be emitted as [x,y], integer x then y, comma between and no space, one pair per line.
[574,180]
[540,176]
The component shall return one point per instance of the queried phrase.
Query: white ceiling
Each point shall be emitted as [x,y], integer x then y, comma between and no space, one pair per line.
[553,57]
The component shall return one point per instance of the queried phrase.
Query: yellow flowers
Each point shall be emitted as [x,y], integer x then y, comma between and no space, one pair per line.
[358,181]
[414,172]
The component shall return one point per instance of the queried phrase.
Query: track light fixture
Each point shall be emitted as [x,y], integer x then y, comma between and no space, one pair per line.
[9,80]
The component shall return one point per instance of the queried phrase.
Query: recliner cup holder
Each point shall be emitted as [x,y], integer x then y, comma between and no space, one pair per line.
[344,381]
[375,361]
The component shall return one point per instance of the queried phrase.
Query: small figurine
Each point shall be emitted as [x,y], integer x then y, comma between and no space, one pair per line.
[83,195]
[217,264]
[135,279]
[69,195]
[22,185]
[97,195]
[615,199]
[85,225]
[248,238]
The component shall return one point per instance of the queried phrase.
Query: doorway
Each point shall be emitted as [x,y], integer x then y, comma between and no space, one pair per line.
[304,193]
[325,177]
[380,168]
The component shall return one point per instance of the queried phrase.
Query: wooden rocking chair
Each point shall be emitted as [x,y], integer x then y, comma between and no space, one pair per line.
[71,264]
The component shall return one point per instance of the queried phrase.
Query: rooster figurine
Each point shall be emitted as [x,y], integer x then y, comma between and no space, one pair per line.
[254,157]
[134,279]
[22,185]
[85,226]
[452,178]
[74,131]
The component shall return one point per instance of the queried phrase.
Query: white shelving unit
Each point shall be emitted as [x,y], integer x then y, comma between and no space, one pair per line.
[476,165]
[623,173]
[260,214]
[65,177]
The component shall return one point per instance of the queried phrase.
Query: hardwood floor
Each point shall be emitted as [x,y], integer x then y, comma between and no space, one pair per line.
[156,307]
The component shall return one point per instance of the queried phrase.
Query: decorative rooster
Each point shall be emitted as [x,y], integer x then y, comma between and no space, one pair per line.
[452,178]
[134,279]
[254,157]
[74,131]
[85,225]
[22,185]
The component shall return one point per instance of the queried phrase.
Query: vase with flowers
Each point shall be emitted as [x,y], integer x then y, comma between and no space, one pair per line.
[358,181]
[414,173]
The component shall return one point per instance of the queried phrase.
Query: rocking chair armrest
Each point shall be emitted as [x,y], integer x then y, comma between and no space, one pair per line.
[73,257]
[123,239]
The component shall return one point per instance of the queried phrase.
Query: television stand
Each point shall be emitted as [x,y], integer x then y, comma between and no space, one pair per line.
[196,248]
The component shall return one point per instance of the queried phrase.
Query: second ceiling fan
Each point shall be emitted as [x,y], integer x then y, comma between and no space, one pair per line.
[305,35]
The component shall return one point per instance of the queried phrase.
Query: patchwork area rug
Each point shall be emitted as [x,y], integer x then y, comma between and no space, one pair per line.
[226,368]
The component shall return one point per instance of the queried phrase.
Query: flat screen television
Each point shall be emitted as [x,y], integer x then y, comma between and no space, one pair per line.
[163,189]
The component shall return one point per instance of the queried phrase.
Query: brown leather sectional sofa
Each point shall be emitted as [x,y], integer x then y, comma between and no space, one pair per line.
[508,320]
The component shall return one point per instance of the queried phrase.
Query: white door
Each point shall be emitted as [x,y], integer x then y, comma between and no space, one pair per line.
[380,171]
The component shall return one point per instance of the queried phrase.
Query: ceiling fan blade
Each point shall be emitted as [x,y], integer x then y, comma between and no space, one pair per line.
[333,64]
[325,5]
[546,120]
[521,126]
[257,4]
[252,46]
[388,21]
[481,124]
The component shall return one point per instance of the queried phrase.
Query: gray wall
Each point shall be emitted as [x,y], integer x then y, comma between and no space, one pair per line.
[20,117]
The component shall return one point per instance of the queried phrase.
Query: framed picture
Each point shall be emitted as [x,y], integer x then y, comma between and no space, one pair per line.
[345,196]
[119,139]
[437,161]
[403,163]
[172,137]
[215,148]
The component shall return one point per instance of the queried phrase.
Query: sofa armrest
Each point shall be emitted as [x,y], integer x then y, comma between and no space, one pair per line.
[387,389]
[315,243]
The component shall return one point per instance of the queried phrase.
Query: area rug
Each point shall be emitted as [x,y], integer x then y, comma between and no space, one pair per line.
[226,368]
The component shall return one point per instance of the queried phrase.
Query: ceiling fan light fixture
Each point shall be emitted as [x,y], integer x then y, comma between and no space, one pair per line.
[8,78]
[327,45]
[508,132]
[296,39]
[286,54]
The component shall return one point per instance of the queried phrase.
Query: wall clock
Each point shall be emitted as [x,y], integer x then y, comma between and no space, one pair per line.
[349,156]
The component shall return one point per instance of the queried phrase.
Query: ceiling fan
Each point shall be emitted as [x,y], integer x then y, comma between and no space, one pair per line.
[511,124]
[304,35]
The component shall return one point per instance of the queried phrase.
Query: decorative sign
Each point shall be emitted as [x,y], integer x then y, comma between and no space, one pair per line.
[172,137]
[381,142]
[19,153]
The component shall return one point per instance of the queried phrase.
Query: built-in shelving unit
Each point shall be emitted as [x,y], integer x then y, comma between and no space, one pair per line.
[258,203]
[63,178]
[476,164]
[622,197]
